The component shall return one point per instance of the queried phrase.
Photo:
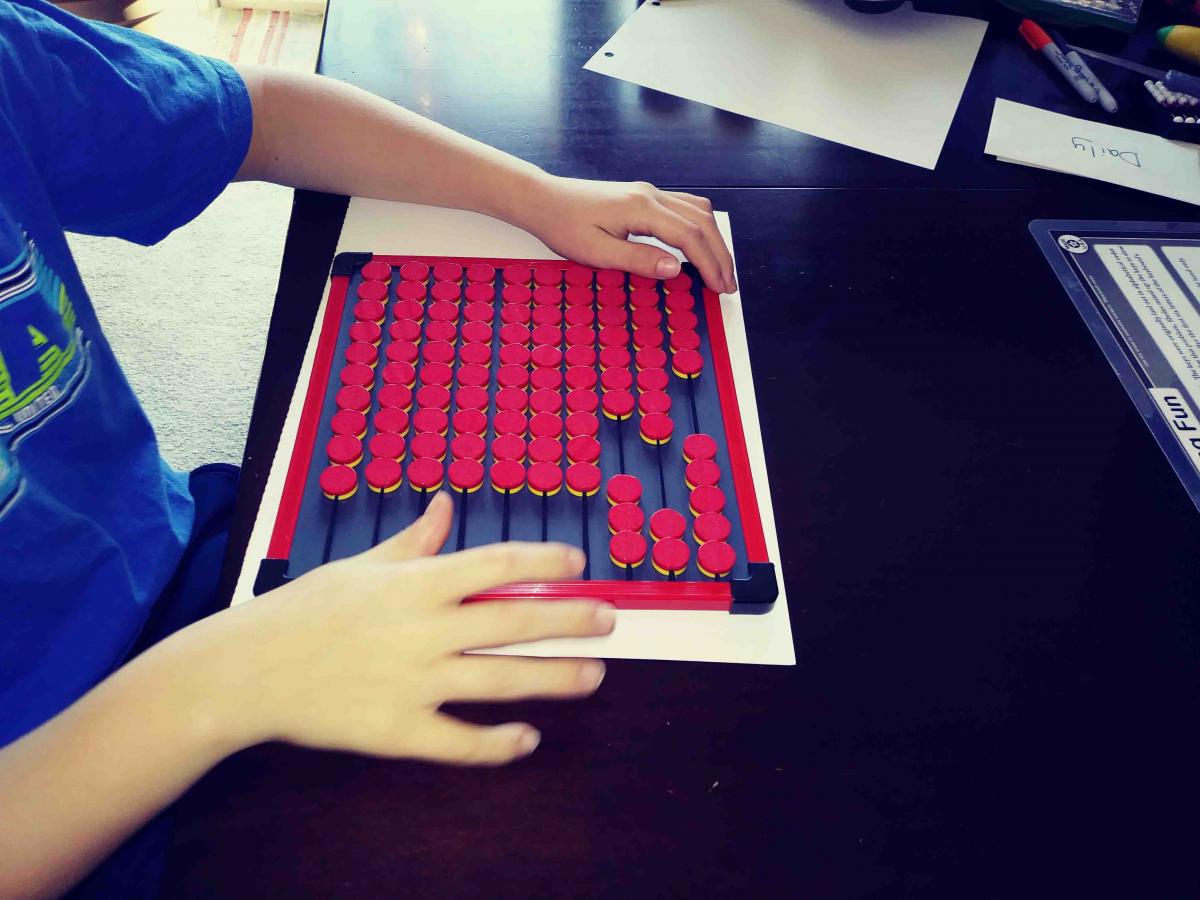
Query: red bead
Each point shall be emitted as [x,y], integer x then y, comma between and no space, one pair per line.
[715,558]
[472,354]
[684,340]
[626,517]
[547,296]
[612,316]
[583,479]
[517,294]
[705,499]
[582,401]
[514,355]
[377,270]
[627,548]
[578,295]
[404,330]
[479,312]
[624,489]
[514,333]
[433,396]
[512,376]
[468,446]
[402,351]
[508,475]
[616,379]
[395,395]
[545,449]
[428,445]
[701,471]
[481,293]
[582,424]
[438,373]
[509,421]
[547,276]
[654,402]
[447,271]
[680,301]
[687,363]
[437,352]
[617,404]
[681,282]
[470,421]
[670,556]
[392,419]
[545,478]
[473,376]
[609,297]
[344,450]
[666,524]
[508,446]
[580,335]
[471,398]
[477,333]
[358,375]
[517,275]
[412,310]
[402,374]
[641,281]
[656,428]
[646,317]
[425,473]
[411,290]
[414,271]
[711,526]
[465,474]
[546,400]
[580,355]
[512,398]
[546,356]
[547,334]
[583,449]
[441,332]
[373,290]
[480,272]
[366,332]
[443,311]
[581,378]
[610,278]
[446,292]
[579,276]
[433,421]
[383,474]
[643,298]
[368,311]
[647,337]
[546,316]
[652,380]
[682,320]
[614,358]
[651,358]
[699,446]
[353,397]
[387,445]
[546,380]
[579,315]
[349,421]
[338,482]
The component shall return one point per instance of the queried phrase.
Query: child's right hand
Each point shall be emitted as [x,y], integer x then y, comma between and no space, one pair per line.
[359,654]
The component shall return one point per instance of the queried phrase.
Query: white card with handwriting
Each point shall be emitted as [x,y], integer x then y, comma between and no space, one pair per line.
[1048,140]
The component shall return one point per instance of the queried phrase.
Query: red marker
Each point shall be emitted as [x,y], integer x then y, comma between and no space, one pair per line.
[1042,43]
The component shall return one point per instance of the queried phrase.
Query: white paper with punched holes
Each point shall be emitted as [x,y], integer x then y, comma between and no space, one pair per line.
[888,84]
[386,227]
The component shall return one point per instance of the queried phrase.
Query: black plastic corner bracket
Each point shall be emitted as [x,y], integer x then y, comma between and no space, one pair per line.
[272,573]
[346,263]
[757,593]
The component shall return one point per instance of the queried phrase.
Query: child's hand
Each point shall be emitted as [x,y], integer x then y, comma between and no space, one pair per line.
[359,654]
[589,221]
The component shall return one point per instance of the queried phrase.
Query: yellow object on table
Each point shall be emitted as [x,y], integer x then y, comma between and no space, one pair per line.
[1182,41]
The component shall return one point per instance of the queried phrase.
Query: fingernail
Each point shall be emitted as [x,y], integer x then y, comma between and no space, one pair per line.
[590,675]
[528,741]
[667,266]
[576,559]
[606,617]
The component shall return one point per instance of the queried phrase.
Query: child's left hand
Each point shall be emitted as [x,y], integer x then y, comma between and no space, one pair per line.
[590,221]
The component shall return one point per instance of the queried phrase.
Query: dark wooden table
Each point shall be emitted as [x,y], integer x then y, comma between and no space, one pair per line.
[991,568]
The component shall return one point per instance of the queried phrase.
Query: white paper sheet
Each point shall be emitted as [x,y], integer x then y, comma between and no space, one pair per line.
[384,227]
[886,84]
[1047,140]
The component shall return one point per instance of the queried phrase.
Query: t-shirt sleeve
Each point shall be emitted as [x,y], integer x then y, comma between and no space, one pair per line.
[132,137]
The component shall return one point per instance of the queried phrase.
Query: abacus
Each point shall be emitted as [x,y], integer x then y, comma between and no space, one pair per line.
[557,402]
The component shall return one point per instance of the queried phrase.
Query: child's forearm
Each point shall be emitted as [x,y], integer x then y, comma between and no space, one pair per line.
[73,789]
[322,134]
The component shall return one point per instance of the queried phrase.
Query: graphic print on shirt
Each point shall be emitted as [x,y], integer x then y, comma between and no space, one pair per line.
[43,355]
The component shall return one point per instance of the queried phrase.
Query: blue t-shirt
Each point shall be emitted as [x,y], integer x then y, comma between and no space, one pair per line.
[102,131]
